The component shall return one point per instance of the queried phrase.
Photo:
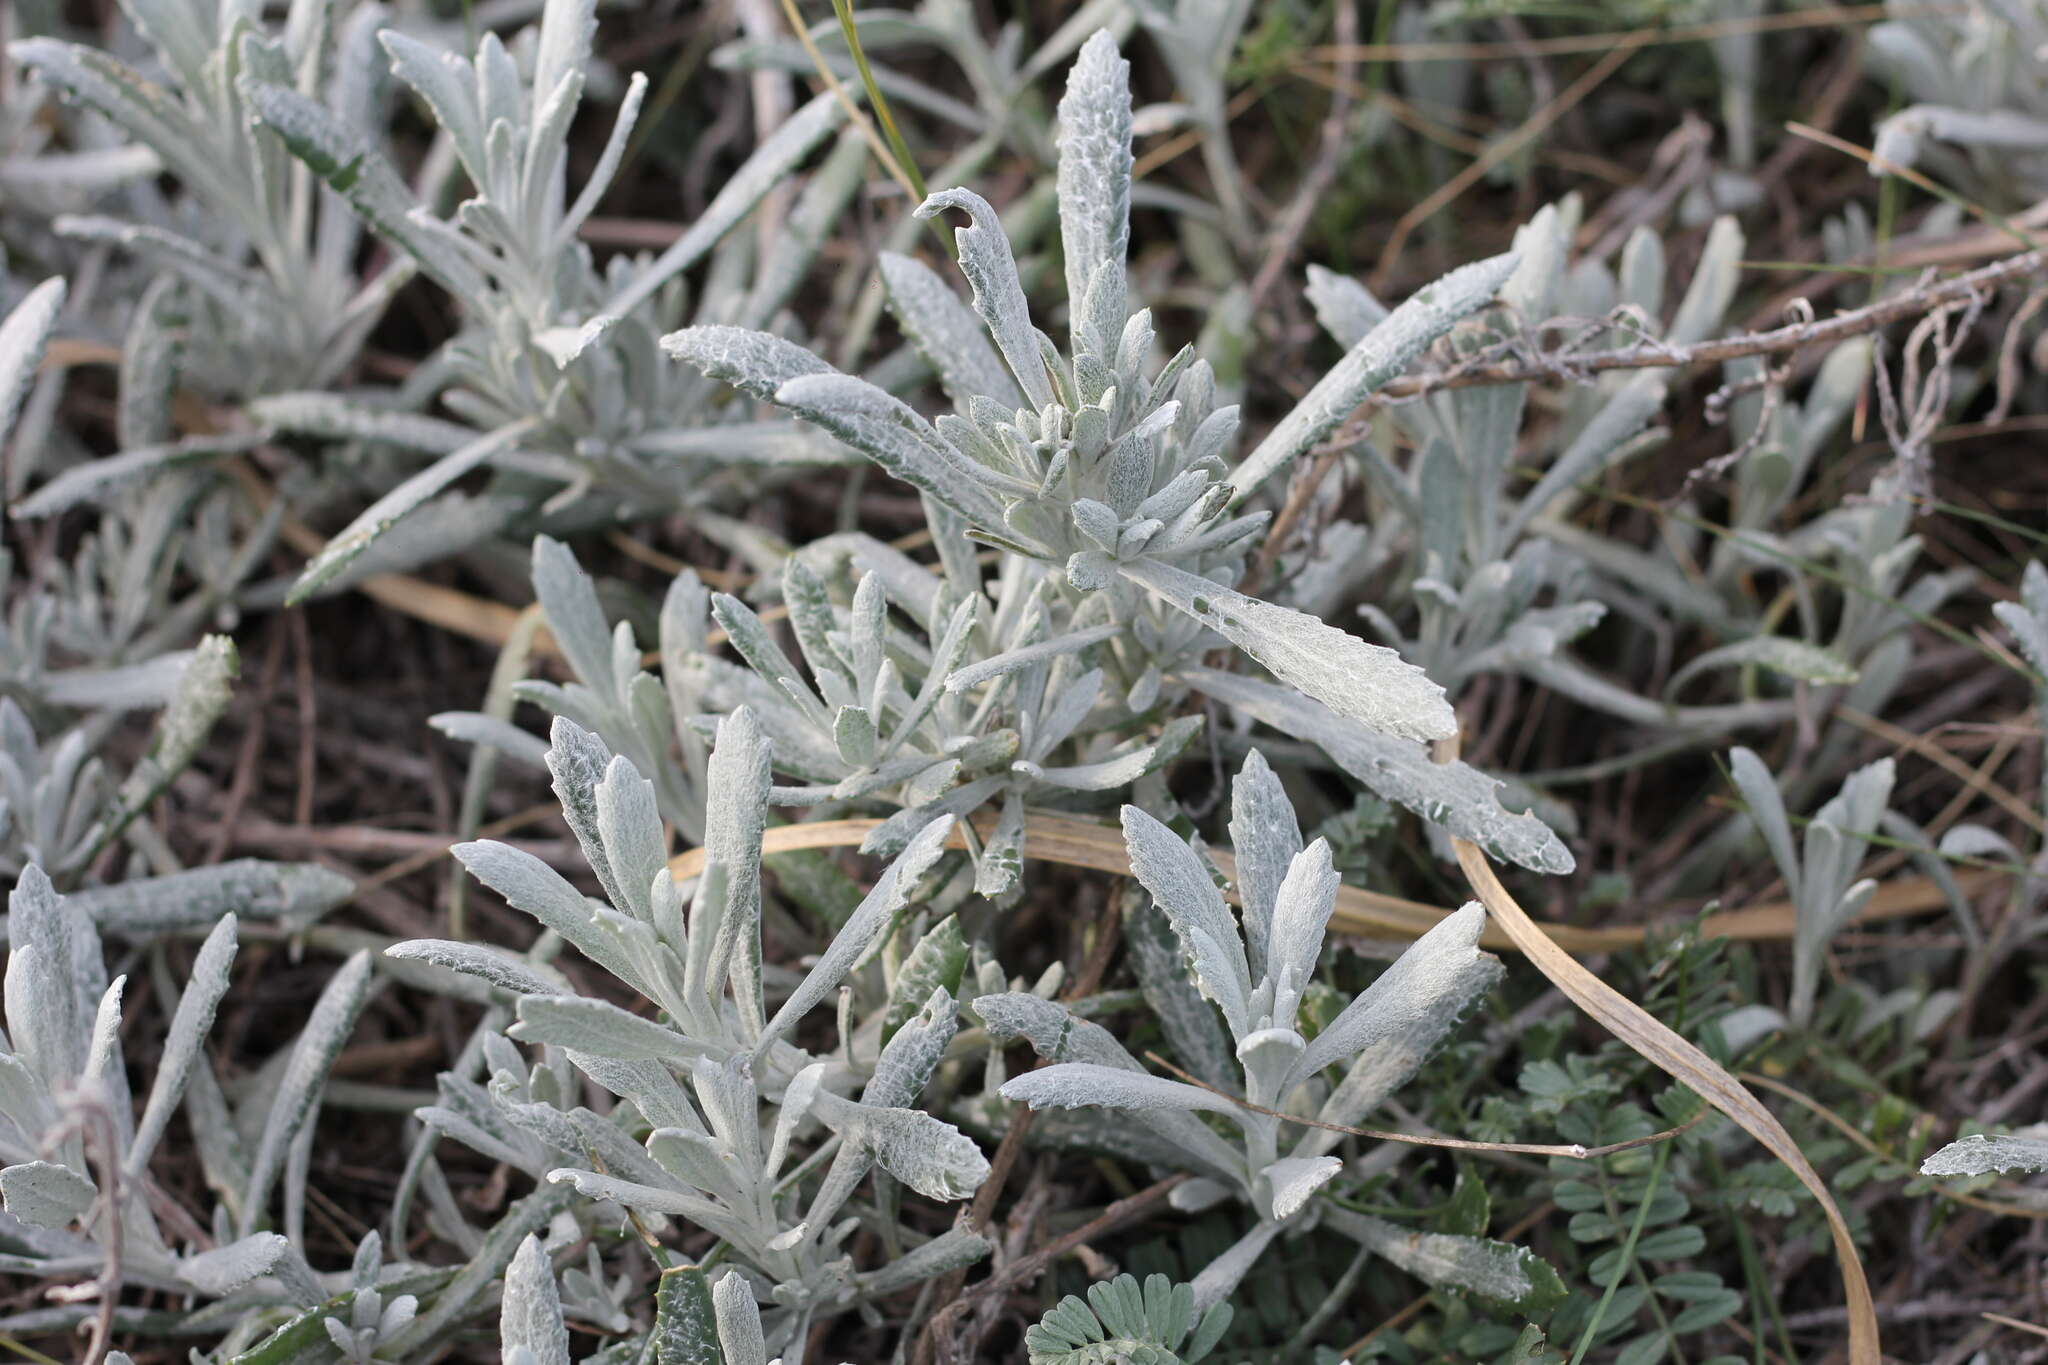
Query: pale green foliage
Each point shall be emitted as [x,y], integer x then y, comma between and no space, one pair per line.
[1120,1322]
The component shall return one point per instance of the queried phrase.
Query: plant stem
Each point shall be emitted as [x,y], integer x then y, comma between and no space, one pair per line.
[1628,1253]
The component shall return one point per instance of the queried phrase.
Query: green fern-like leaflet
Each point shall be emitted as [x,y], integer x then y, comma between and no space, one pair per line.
[1122,1324]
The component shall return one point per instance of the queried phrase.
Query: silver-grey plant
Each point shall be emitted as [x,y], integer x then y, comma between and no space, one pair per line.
[1254,967]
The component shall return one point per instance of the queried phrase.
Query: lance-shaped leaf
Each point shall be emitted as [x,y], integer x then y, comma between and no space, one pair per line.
[932,1157]
[946,333]
[1058,1036]
[22,338]
[47,1001]
[1506,1274]
[189,1026]
[204,689]
[600,1028]
[507,971]
[1300,916]
[892,434]
[1094,179]
[530,1317]
[725,935]
[1415,1001]
[756,363]
[1182,888]
[530,885]
[876,912]
[739,1321]
[1383,354]
[1454,795]
[380,516]
[225,1269]
[305,1076]
[1264,836]
[1221,1277]
[1767,811]
[1072,1085]
[1364,682]
[1795,659]
[991,272]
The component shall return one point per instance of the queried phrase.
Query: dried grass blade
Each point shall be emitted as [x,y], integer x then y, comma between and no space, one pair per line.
[1366,914]
[1635,1026]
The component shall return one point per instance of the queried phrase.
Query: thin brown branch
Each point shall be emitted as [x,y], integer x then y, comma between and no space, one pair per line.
[1025,1269]
[1565,366]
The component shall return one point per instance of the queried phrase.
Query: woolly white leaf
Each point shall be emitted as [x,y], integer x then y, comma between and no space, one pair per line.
[1767,810]
[305,1075]
[1070,1085]
[22,338]
[1364,682]
[1426,991]
[226,1269]
[1345,308]
[530,1318]
[1010,661]
[93,480]
[1094,179]
[1294,1179]
[991,271]
[1455,795]
[893,435]
[1265,838]
[1383,354]
[946,333]
[530,885]
[1493,1270]
[600,1028]
[1795,659]
[380,516]
[1301,913]
[344,158]
[1989,1152]
[1184,891]
[954,1249]
[1712,289]
[931,1156]
[46,1195]
[739,1321]
[251,888]
[1220,1278]
[755,362]
[875,913]
[190,1024]
[507,971]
